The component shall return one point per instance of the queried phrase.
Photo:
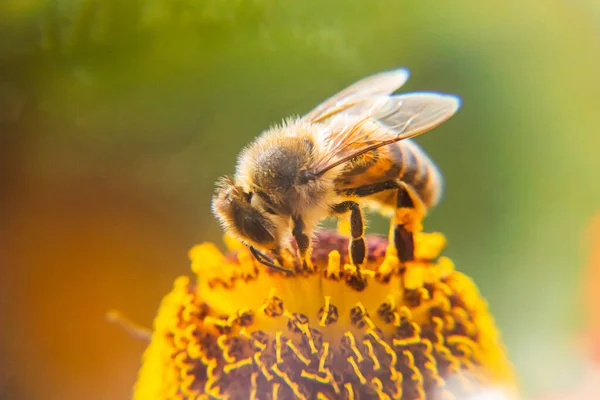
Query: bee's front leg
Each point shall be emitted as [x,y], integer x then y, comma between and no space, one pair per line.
[277,254]
[357,249]
[263,259]
[303,243]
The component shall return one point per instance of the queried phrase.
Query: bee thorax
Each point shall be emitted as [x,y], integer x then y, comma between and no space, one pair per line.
[277,169]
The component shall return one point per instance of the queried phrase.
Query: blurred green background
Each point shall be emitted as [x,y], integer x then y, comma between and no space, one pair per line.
[116,117]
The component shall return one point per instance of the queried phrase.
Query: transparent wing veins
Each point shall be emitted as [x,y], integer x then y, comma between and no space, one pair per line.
[381,84]
[380,120]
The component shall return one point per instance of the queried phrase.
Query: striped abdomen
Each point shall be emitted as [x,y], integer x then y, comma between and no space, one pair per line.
[403,160]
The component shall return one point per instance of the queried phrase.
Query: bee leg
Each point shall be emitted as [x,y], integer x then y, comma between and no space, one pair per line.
[277,253]
[303,243]
[263,259]
[357,250]
[409,212]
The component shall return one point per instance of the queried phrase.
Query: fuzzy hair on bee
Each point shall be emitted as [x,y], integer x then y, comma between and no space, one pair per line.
[351,152]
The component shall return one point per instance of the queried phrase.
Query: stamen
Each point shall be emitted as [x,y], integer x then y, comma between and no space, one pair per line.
[360,376]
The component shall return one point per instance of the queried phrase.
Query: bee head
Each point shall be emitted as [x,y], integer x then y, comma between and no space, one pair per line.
[236,212]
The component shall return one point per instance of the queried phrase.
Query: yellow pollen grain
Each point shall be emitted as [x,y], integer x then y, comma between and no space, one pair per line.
[211,322]
[411,364]
[438,329]
[242,363]
[278,357]
[323,358]
[216,394]
[325,311]
[429,245]
[333,264]
[405,312]
[407,341]
[390,262]
[361,377]
[392,301]
[221,343]
[210,387]
[369,346]
[311,342]
[260,345]
[297,352]
[423,294]
[369,322]
[268,301]
[188,311]
[194,351]
[350,391]
[179,360]
[378,386]
[183,373]
[244,333]
[305,331]
[211,366]
[253,385]
[409,218]
[275,391]
[262,366]
[365,318]
[368,273]
[211,381]
[455,339]
[179,339]
[414,277]
[398,379]
[336,387]
[389,351]
[186,383]
[361,307]
[350,269]
[350,336]
[315,377]
[292,385]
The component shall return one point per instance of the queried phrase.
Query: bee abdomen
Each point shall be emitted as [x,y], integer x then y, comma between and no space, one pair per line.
[420,173]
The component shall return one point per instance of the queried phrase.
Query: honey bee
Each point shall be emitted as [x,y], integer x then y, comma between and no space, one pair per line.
[351,152]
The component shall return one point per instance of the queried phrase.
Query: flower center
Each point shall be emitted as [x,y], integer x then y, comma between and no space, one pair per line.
[388,329]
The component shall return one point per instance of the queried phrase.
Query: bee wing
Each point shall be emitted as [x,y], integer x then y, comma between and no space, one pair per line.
[381,120]
[381,84]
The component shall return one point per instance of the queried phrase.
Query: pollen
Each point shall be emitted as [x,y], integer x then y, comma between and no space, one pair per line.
[385,330]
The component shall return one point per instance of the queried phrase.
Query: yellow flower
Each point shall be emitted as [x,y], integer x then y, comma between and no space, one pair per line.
[389,330]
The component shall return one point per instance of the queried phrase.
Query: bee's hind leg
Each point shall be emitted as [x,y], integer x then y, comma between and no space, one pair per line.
[409,213]
[406,221]
[357,250]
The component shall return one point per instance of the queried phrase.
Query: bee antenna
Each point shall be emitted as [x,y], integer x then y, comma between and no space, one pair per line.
[264,260]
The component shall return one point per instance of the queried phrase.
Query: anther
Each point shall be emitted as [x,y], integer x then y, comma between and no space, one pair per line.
[273,306]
